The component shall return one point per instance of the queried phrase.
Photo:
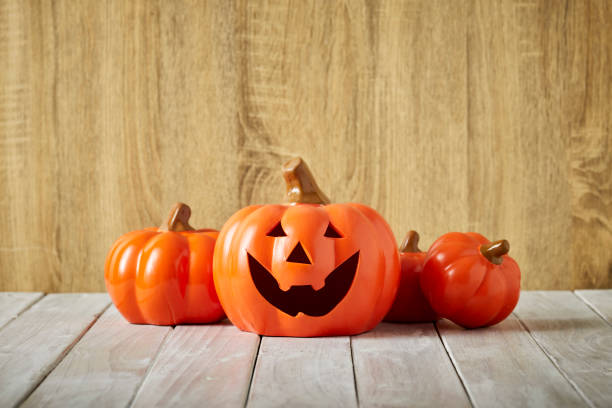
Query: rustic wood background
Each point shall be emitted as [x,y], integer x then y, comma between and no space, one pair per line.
[443,115]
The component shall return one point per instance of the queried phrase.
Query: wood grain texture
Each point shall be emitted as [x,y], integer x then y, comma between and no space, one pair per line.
[201,365]
[13,303]
[105,368]
[598,300]
[303,372]
[577,340]
[503,366]
[398,365]
[32,345]
[467,115]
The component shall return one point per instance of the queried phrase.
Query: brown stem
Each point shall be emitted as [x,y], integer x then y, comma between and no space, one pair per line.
[178,219]
[410,243]
[495,250]
[301,185]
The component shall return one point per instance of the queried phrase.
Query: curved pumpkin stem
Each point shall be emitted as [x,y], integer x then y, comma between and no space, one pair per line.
[495,250]
[410,243]
[178,219]
[301,185]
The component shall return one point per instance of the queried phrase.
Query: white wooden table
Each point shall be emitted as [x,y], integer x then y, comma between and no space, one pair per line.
[76,350]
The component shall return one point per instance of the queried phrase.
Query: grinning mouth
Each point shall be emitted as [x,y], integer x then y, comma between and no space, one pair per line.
[303,298]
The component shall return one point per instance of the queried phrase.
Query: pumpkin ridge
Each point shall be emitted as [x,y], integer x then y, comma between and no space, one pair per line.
[136,240]
[455,263]
[467,306]
[382,230]
[235,243]
[159,297]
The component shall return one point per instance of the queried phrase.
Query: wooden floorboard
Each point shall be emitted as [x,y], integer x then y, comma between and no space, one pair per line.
[13,303]
[303,372]
[575,338]
[31,345]
[555,350]
[502,366]
[105,368]
[396,364]
[598,300]
[208,365]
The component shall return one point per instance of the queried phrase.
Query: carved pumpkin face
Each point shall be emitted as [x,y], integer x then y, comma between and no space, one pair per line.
[306,269]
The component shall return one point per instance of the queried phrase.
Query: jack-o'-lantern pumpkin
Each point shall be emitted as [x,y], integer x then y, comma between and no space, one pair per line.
[306,268]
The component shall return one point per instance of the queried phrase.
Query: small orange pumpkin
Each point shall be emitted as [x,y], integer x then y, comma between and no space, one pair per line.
[471,280]
[410,305]
[306,268]
[163,275]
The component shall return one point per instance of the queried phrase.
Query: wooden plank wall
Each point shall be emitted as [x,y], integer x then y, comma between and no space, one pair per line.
[463,115]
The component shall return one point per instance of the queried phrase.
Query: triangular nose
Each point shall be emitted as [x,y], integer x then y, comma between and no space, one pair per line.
[298,255]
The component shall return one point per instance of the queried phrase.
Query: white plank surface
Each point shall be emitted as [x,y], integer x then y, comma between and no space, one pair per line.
[32,344]
[598,300]
[502,366]
[208,365]
[399,365]
[303,372]
[564,359]
[13,303]
[576,339]
[104,368]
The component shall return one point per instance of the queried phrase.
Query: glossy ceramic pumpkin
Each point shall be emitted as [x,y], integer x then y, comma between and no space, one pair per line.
[470,280]
[163,275]
[306,268]
[410,305]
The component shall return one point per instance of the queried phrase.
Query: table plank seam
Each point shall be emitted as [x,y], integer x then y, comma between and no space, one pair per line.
[248,393]
[592,307]
[455,366]
[161,347]
[25,309]
[63,354]
[556,364]
[353,366]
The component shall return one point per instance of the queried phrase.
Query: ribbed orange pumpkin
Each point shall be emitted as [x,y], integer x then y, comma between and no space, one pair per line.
[306,268]
[471,280]
[410,305]
[163,275]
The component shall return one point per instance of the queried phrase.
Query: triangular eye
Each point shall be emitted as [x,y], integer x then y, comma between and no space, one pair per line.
[277,231]
[331,232]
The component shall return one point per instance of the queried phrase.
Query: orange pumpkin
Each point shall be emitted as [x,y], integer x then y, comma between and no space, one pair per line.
[306,268]
[163,275]
[471,280]
[410,305]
